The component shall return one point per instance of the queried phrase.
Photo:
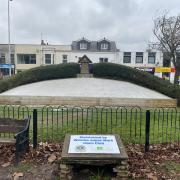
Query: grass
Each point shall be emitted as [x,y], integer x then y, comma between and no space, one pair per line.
[98,175]
[129,123]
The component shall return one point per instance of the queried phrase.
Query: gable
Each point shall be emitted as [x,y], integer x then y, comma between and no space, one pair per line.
[84,59]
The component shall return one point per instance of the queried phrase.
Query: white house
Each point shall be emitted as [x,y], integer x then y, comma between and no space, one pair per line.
[106,51]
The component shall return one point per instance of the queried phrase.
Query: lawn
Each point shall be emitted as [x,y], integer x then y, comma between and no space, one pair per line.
[129,122]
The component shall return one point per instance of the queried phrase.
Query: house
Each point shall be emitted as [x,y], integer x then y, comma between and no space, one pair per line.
[103,50]
[26,56]
[30,55]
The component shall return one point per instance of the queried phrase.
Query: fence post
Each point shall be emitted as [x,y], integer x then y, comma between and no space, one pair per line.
[34,128]
[147,131]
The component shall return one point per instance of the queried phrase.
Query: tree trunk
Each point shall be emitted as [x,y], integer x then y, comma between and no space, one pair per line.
[177,75]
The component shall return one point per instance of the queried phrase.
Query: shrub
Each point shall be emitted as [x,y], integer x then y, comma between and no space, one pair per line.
[68,70]
[121,72]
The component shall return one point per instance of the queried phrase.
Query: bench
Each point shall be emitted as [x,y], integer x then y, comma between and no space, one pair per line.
[13,131]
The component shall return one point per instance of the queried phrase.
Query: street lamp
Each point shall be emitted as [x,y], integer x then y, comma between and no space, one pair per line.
[9,39]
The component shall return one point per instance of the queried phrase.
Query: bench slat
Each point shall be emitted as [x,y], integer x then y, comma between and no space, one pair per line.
[10,129]
[8,125]
[9,121]
[7,141]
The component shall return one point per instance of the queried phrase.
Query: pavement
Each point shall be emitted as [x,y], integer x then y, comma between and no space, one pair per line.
[85,87]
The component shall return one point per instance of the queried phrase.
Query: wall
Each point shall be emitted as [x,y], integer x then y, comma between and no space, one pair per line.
[117,57]
[94,56]
[27,49]
[57,52]
[4,49]
[159,60]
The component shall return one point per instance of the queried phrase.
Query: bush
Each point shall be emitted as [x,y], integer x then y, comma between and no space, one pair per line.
[42,73]
[125,73]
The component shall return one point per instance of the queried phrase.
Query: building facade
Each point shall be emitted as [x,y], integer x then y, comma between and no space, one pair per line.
[26,56]
[5,65]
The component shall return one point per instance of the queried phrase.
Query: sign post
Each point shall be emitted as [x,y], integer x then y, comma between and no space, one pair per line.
[94,150]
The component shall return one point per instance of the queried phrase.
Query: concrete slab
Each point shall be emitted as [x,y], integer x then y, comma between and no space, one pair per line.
[85,87]
[85,92]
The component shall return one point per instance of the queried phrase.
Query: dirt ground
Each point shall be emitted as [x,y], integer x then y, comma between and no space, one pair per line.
[161,162]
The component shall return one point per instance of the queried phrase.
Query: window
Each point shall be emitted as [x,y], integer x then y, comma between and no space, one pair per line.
[151,57]
[64,59]
[26,58]
[47,58]
[83,45]
[12,58]
[2,58]
[104,46]
[100,59]
[103,59]
[139,57]
[127,57]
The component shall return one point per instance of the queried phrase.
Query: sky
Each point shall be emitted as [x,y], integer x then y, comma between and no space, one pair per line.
[127,22]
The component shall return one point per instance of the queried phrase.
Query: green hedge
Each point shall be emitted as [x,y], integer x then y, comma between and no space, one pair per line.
[101,70]
[125,73]
[41,73]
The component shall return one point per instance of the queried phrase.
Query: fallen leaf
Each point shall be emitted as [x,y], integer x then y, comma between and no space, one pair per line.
[52,158]
[6,164]
[157,163]
[152,176]
[17,175]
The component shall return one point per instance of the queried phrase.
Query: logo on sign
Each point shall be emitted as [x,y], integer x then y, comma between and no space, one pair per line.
[99,148]
[80,148]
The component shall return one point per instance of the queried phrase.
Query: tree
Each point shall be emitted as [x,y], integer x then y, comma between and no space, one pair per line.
[167,31]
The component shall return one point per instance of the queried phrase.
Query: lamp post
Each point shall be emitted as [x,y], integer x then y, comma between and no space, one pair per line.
[9,40]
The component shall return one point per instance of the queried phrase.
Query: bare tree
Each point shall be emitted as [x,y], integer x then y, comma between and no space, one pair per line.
[167,31]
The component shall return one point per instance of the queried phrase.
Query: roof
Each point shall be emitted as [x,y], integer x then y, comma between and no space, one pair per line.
[93,46]
[84,59]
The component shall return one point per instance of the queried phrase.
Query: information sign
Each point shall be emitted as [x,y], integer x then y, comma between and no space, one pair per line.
[103,144]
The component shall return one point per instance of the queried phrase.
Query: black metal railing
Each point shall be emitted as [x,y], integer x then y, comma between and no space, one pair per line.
[131,123]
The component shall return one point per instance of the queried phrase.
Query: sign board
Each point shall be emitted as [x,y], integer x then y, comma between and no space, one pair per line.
[162,69]
[6,66]
[97,144]
[149,69]
[146,69]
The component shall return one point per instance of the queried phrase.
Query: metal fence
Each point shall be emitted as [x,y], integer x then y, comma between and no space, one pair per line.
[131,123]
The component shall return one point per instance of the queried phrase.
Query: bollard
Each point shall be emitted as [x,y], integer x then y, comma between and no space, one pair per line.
[147,131]
[34,128]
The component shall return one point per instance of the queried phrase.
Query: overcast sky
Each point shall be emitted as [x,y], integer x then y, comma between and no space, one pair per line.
[128,22]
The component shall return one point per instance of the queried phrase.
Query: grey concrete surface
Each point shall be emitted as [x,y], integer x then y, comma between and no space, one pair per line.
[85,87]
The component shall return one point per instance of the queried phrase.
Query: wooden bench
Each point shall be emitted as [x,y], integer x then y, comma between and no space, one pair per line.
[13,131]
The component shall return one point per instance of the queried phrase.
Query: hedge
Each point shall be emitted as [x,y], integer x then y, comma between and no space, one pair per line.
[41,73]
[101,70]
[125,73]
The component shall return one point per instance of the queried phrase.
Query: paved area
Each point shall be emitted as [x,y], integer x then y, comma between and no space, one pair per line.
[85,87]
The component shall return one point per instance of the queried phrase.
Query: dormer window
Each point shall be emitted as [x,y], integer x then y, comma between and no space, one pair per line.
[83,45]
[104,46]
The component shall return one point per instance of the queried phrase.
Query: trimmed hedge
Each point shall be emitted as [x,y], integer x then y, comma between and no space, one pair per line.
[125,73]
[41,73]
[101,70]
